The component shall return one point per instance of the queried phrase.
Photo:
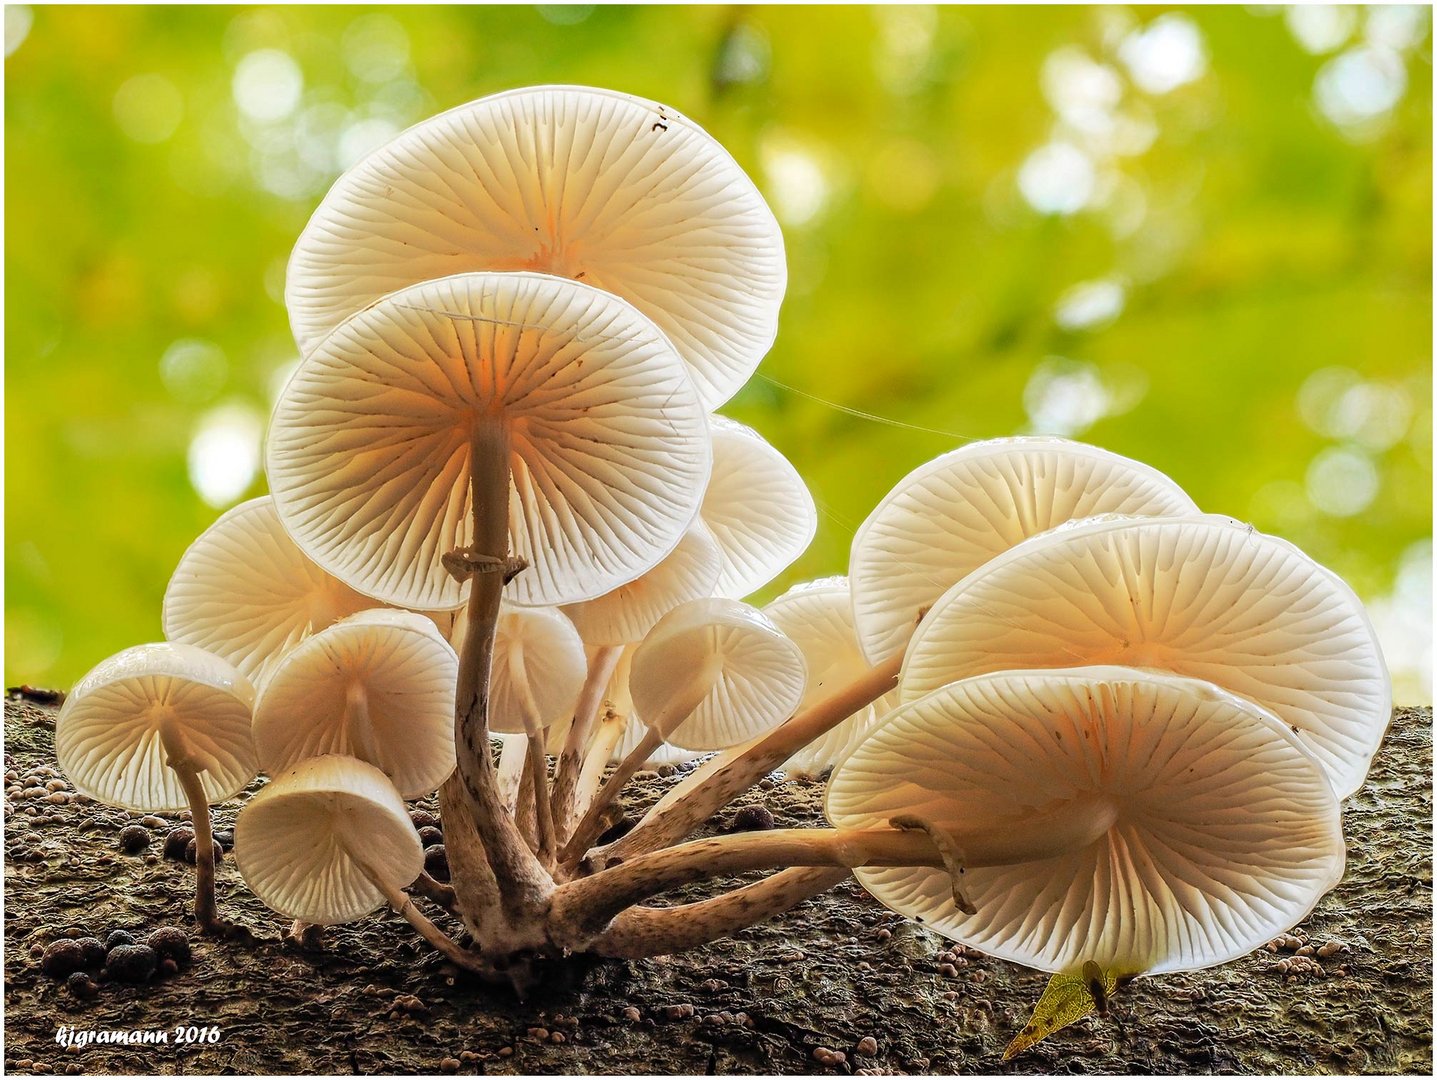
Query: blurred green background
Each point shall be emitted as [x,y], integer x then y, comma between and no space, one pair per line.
[1199,237]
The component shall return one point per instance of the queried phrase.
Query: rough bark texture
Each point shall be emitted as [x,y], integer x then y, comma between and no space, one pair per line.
[835,971]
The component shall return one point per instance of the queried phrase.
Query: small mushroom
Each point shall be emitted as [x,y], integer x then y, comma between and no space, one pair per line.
[1138,820]
[157,728]
[710,674]
[757,508]
[328,841]
[1203,596]
[817,616]
[610,189]
[378,686]
[951,515]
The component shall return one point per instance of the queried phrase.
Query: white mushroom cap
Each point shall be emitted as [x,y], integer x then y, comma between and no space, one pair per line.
[817,616]
[378,686]
[624,615]
[538,669]
[1202,596]
[948,517]
[245,592]
[713,673]
[1221,829]
[368,451]
[622,193]
[757,507]
[297,841]
[107,736]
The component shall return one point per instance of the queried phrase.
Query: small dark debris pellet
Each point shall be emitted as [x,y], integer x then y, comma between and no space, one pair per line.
[94,952]
[225,838]
[752,819]
[133,839]
[423,819]
[63,957]
[666,770]
[81,985]
[191,851]
[506,1051]
[468,1057]
[436,862]
[882,933]
[429,836]
[117,938]
[632,1014]
[151,821]
[449,1065]
[867,1046]
[557,1038]
[616,830]
[170,943]
[131,963]
[176,841]
[168,967]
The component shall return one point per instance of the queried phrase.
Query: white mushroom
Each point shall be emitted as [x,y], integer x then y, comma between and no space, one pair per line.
[162,727]
[757,507]
[1140,821]
[624,615]
[328,841]
[1203,596]
[619,192]
[948,517]
[377,686]
[556,411]
[817,616]
[245,592]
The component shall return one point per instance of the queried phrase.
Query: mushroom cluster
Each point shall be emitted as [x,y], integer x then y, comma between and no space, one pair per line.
[1071,720]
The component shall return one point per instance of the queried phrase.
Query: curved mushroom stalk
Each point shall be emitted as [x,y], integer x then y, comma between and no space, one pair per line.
[157,728]
[710,673]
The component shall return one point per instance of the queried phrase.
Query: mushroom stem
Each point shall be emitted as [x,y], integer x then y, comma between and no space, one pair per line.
[698,796]
[511,770]
[178,757]
[596,759]
[571,759]
[1066,825]
[403,903]
[641,932]
[358,725]
[523,882]
[539,789]
[590,826]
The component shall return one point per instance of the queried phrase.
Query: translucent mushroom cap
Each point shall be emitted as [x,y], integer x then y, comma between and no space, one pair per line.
[621,193]
[538,669]
[713,673]
[817,616]
[245,592]
[1223,829]
[951,515]
[378,686]
[1202,596]
[369,448]
[625,614]
[298,841]
[757,507]
[108,732]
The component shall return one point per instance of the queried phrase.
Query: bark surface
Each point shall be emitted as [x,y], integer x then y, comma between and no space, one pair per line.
[835,971]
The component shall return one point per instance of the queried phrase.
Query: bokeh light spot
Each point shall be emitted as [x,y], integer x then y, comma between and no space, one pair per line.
[148,108]
[1342,481]
[224,454]
[18,20]
[376,48]
[1360,86]
[1320,28]
[267,84]
[1090,304]
[194,371]
[1057,178]
[1167,53]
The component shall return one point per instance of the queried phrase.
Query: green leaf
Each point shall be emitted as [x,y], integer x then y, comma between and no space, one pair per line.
[1067,999]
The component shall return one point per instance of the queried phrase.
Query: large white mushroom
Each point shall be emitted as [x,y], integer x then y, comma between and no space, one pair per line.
[613,190]
[162,727]
[1203,596]
[1140,821]
[951,515]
